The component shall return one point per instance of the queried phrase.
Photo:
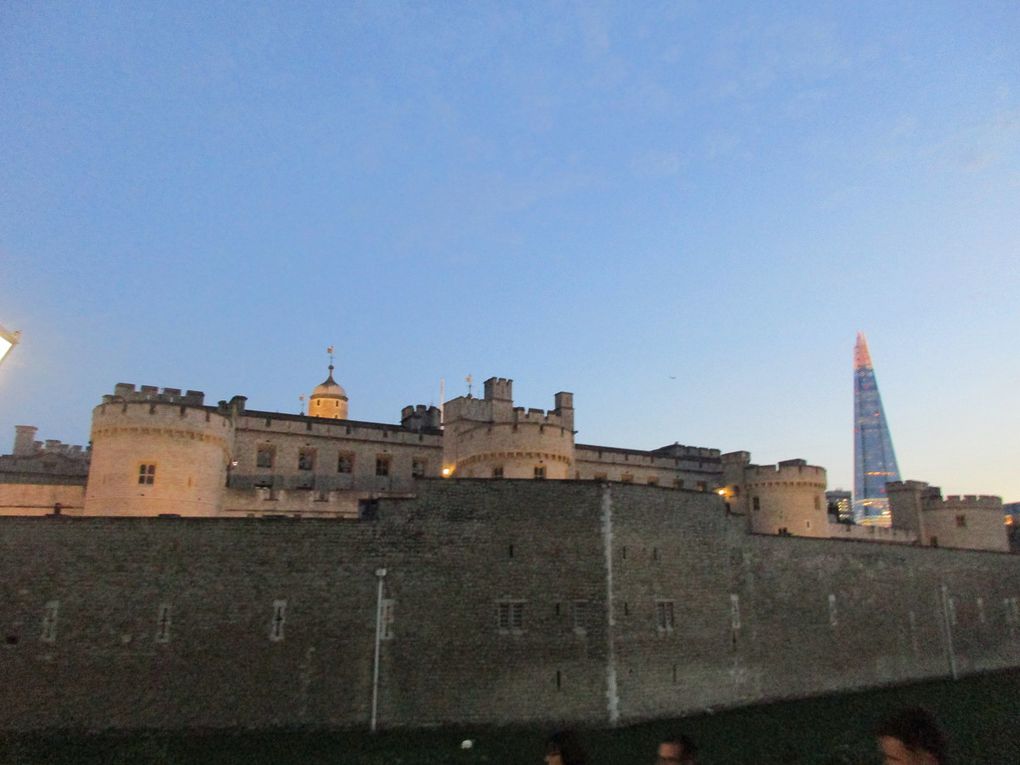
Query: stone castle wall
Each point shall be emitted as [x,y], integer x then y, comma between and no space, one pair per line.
[677,466]
[322,443]
[511,601]
[39,498]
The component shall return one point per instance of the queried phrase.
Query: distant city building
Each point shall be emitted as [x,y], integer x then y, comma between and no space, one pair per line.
[840,505]
[874,458]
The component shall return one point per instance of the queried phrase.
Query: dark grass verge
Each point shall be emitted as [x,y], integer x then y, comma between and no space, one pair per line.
[981,715]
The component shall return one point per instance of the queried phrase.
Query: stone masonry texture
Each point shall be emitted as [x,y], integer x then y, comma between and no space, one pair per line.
[170,622]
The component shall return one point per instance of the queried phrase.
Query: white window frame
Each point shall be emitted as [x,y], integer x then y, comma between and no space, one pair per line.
[279,620]
[163,623]
[51,616]
[510,616]
[665,615]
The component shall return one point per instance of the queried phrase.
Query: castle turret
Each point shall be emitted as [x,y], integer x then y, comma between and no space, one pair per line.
[328,400]
[971,522]
[159,452]
[788,498]
[491,438]
[24,440]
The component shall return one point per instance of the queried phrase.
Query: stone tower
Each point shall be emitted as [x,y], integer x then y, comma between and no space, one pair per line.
[159,452]
[328,400]
[491,438]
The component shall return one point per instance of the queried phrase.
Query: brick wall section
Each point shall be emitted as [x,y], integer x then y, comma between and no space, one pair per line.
[449,561]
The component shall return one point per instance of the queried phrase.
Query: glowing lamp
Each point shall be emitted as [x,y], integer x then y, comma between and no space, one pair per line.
[446,472]
[7,341]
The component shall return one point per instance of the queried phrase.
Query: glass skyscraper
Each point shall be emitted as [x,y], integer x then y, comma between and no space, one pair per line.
[874,458]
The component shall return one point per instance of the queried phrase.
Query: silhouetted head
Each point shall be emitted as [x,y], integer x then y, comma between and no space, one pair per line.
[563,748]
[911,737]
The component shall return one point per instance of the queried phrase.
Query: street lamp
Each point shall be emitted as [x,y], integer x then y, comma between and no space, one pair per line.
[7,341]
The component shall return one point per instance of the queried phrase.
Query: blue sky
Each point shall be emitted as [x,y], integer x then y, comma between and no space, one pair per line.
[581,196]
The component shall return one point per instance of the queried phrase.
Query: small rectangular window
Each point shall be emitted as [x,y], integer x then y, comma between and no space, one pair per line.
[264,457]
[279,617]
[961,521]
[510,615]
[306,459]
[388,618]
[579,615]
[600,477]
[163,623]
[345,463]
[418,468]
[678,483]
[147,474]
[833,617]
[664,615]
[755,503]
[382,465]
[497,472]
[734,612]
[539,471]
[653,480]
[626,478]
[49,625]
[702,486]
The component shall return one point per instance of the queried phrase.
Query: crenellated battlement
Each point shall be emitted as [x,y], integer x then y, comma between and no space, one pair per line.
[537,416]
[787,470]
[969,502]
[151,393]
[419,418]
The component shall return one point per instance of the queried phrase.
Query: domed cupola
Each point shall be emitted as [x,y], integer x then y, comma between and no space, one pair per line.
[328,399]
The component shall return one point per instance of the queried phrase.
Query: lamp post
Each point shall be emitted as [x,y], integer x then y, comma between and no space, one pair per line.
[7,341]
[380,574]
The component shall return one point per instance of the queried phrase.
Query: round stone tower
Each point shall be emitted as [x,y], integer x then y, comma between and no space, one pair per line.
[159,452]
[788,498]
[491,438]
[328,400]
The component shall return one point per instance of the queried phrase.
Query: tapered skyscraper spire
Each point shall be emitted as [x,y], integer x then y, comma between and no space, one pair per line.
[874,458]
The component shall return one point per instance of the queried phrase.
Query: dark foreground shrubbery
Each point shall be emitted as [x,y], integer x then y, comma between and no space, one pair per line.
[981,715]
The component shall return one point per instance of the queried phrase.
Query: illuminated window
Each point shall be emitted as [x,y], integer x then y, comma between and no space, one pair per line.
[345,463]
[702,486]
[664,615]
[147,474]
[264,457]
[306,459]
[510,615]
[382,465]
